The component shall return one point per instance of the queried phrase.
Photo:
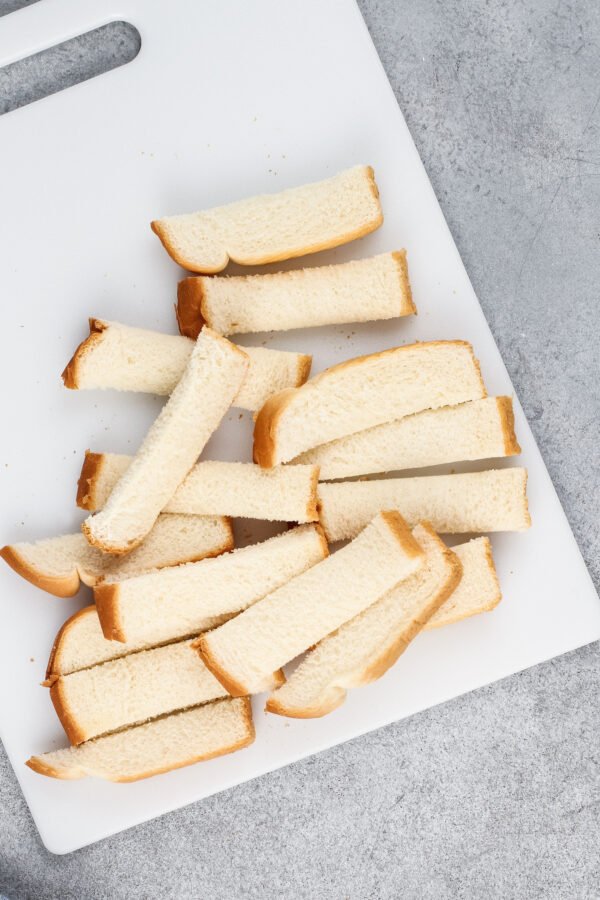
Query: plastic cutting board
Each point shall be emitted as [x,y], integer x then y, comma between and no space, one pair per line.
[226,99]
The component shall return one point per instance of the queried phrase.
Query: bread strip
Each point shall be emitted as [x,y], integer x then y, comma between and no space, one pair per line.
[246,651]
[211,380]
[478,590]
[272,227]
[494,500]
[80,644]
[172,603]
[478,429]
[59,565]
[281,494]
[131,690]
[364,648]
[133,359]
[159,746]
[359,291]
[363,392]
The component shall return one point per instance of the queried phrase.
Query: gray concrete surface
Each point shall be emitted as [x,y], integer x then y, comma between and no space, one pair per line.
[496,794]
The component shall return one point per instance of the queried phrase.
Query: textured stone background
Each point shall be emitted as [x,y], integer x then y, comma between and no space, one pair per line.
[497,793]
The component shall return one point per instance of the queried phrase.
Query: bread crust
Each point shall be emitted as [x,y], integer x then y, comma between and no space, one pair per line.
[402,533]
[267,419]
[66,719]
[304,367]
[71,373]
[37,763]
[335,694]
[59,586]
[235,688]
[189,309]
[507,423]
[91,471]
[106,597]
[312,507]
[55,652]
[407,304]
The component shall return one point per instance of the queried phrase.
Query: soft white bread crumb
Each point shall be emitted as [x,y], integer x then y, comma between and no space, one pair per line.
[168,604]
[134,359]
[359,291]
[364,648]
[131,690]
[59,564]
[211,380]
[271,227]
[281,494]
[246,651]
[363,392]
[159,746]
[478,590]
[478,429]
[80,643]
[494,500]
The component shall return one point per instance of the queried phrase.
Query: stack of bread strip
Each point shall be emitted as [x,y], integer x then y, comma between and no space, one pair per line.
[157,674]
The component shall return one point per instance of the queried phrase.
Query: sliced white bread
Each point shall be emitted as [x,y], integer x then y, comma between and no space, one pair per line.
[478,429]
[58,565]
[271,227]
[494,500]
[363,392]
[212,378]
[359,291]
[245,652]
[364,648]
[172,603]
[281,494]
[134,359]
[81,644]
[131,690]
[478,590]
[159,746]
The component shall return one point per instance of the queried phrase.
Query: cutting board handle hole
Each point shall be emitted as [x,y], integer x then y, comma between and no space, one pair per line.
[64,65]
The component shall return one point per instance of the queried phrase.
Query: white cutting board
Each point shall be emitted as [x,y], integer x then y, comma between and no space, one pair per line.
[227,98]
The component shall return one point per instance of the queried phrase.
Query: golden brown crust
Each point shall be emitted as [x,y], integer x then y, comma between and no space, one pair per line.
[332,699]
[55,653]
[38,764]
[312,507]
[265,427]
[59,586]
[190,303]
[304,366]
[106,598]
[402,532]
[68,722]
[407,305]
[507,423]
[324,545]
[70,376]
[267,419]
[86,485]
